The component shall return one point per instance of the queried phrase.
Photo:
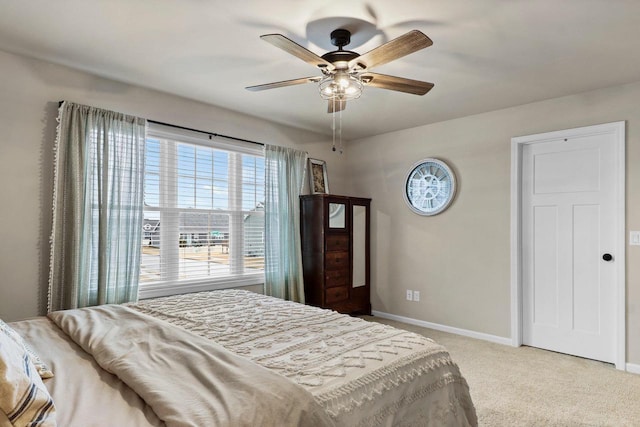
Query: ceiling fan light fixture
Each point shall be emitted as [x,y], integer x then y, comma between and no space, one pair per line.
[340,85]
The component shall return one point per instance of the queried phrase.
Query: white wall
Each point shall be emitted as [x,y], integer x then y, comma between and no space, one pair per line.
[29,95]
[459,260]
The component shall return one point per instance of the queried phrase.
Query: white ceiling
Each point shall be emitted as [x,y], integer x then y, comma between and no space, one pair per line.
[487,54]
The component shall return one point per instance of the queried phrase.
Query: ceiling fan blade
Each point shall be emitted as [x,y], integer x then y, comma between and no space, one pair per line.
[289,46]
[396,48]
[399,84]
[284,83]
[339,105]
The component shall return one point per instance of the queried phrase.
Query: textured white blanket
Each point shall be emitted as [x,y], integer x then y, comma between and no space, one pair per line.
[187,380]
[362,373]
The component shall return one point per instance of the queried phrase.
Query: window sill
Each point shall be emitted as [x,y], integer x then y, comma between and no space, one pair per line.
[166,289]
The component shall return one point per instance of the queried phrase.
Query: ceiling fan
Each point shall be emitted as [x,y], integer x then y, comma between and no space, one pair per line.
[345,73]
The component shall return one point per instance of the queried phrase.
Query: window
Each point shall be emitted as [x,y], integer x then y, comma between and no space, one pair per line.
[204,213]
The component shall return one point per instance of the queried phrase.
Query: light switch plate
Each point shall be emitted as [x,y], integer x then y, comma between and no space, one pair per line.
[409,295]
[634,238]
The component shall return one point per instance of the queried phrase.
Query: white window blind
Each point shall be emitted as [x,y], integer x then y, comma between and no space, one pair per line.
[204,213]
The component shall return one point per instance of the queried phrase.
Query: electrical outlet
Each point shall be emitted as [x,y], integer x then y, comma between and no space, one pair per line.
[634,238]
[409,295]
[416,295]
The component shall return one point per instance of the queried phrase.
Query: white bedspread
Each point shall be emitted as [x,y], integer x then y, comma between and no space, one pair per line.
[187,380]
[362,373]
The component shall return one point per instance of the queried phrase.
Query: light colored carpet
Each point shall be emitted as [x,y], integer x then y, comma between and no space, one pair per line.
[531,387]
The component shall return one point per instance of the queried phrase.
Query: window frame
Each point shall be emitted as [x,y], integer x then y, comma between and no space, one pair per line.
[235,149]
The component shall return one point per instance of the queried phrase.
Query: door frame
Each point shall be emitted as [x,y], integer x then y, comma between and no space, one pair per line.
[617,130]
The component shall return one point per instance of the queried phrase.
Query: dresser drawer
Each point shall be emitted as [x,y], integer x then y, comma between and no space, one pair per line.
[336,294]
[337,242]
[336,260]
[338,277]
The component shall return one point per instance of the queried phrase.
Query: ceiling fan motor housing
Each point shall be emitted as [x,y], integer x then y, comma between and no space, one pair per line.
[340,58]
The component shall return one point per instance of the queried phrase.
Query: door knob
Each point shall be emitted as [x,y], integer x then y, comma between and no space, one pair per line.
[607,257]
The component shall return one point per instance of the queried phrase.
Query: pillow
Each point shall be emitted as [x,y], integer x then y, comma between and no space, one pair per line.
[41,367]
[23,397]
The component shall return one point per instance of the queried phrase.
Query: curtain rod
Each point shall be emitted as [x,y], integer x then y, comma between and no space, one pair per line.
[211,134]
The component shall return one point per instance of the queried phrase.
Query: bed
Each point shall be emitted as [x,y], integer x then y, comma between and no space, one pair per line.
[238,358]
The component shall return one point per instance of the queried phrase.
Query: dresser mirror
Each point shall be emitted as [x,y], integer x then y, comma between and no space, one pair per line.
[359,242]
[337,215]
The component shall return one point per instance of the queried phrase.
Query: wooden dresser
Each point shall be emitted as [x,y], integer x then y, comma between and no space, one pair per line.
[335,252]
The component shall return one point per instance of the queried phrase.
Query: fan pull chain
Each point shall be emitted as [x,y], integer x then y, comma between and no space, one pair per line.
[340,131]
[336,130]
[333,125]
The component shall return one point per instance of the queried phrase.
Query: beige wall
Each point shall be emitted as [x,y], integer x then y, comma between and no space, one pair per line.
[29,95]
[459,260]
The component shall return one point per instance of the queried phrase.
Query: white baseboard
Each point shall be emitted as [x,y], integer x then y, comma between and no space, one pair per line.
[450,329]
[633,368]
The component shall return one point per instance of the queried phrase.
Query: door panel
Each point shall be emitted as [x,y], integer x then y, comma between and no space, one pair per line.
[586,275]
[567,171]
[545,275]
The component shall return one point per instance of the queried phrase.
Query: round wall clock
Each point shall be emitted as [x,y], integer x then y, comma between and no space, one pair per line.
[429,187]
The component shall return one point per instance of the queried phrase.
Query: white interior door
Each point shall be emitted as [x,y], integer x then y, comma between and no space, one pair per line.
[569,226]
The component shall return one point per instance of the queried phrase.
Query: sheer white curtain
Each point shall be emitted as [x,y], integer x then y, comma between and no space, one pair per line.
[97,208]
[284,170]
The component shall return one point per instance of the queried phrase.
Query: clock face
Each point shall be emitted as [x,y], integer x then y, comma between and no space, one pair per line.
[430,187]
